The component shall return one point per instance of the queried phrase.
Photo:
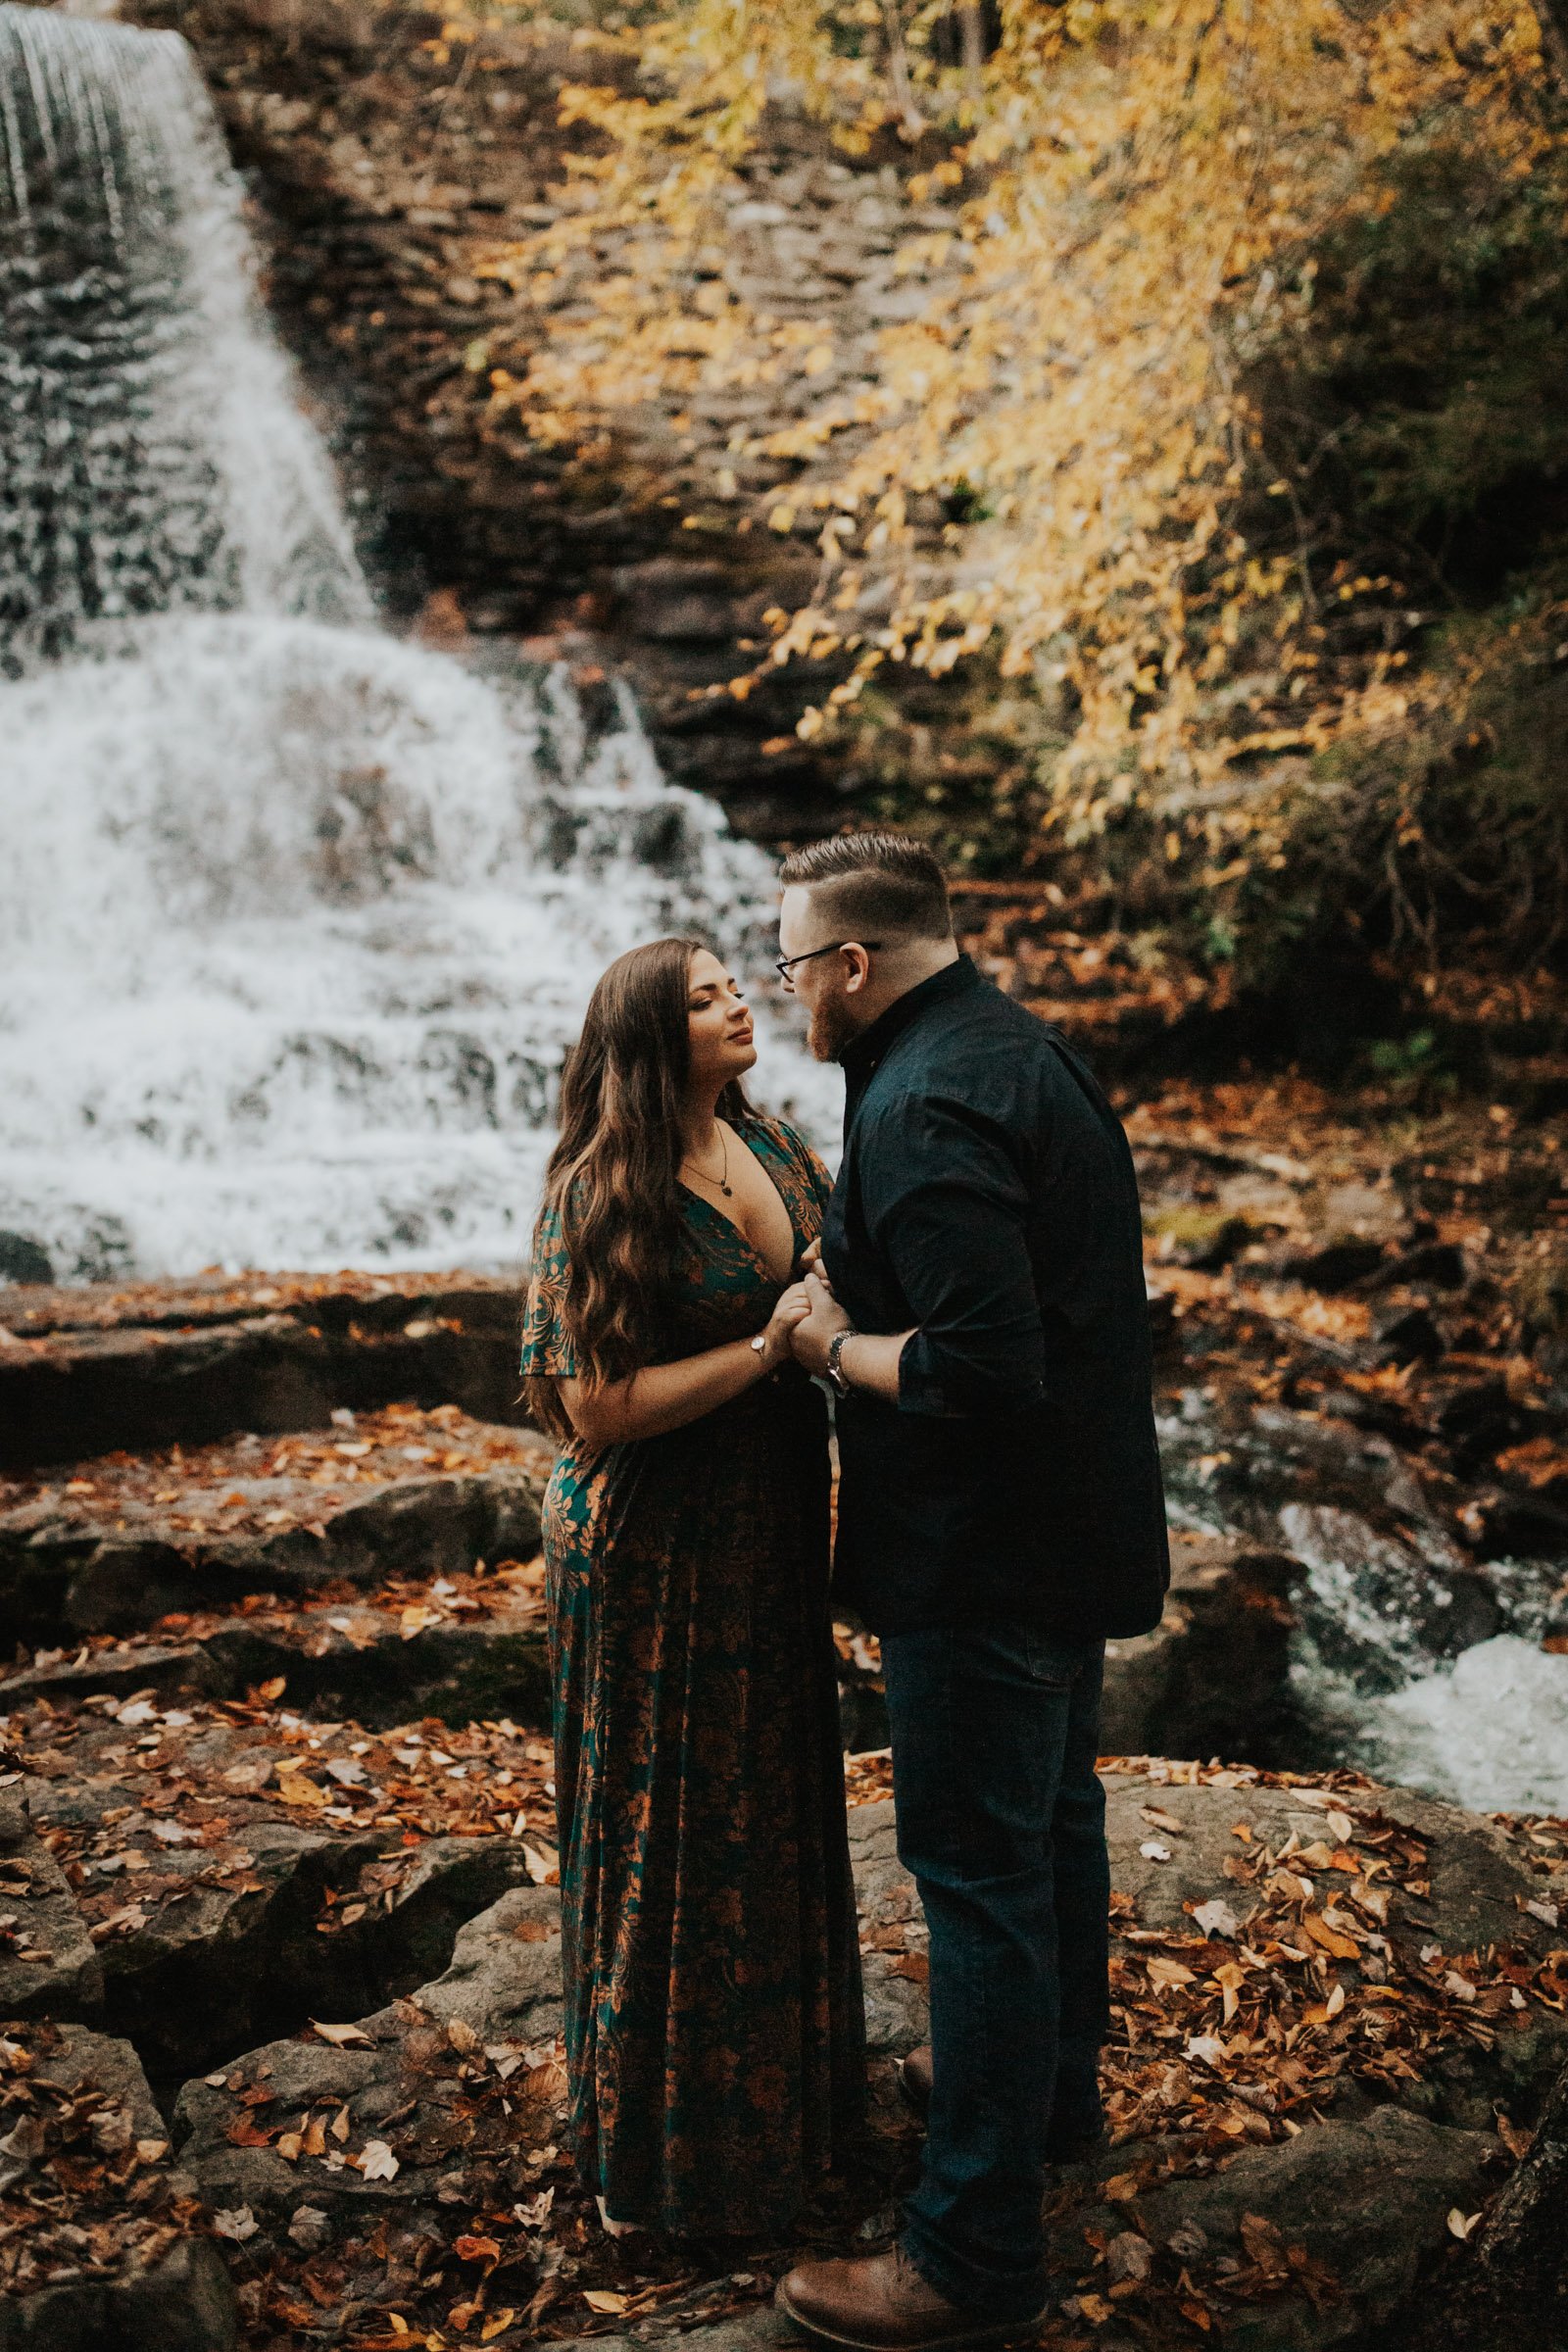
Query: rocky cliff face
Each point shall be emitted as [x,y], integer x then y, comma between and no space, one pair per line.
[384,169]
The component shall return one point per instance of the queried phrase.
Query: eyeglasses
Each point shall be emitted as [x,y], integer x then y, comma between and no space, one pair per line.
[785,964]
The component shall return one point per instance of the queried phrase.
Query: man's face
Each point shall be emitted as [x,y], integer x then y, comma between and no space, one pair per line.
[823,985]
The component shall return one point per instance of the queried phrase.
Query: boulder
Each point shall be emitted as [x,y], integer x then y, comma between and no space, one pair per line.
[99,2232]
[1213,1677]
[425,2079]
[22,1261]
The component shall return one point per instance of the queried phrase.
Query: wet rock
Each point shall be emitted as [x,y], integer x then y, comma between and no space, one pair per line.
[1376,1609]
[98,2225]
[1441,1265]
[48,1964]
[1213,1677]
[22,1261]
[1407,1335]
[1339,1265]
[1519,1525]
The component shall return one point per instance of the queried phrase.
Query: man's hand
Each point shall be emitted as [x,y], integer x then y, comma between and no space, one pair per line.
[824,1317]
[812,1263]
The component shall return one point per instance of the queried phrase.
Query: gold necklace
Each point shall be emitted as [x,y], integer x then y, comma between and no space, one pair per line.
[721,1182]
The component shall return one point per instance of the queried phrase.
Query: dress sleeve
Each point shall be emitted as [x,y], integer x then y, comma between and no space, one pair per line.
[547,1353]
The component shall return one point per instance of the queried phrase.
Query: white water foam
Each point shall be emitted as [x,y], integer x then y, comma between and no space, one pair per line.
[301,922]
[298,921]
[1490,1732]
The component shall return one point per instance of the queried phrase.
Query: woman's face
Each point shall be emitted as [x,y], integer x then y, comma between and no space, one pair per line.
[719,1024]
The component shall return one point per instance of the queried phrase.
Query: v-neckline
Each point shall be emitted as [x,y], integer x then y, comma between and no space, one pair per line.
[738,1230]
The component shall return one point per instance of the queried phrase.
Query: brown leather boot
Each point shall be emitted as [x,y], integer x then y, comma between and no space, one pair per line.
[882,2304]
[1064,2146]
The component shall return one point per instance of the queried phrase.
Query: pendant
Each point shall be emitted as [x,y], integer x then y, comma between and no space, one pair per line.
[728,1191]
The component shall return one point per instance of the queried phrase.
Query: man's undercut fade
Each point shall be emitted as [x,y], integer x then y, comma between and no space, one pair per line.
[870,884]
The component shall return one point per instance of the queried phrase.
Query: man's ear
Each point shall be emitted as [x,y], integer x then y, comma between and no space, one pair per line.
[859,972]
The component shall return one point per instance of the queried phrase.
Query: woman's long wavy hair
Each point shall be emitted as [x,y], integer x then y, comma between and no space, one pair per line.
[613,1176]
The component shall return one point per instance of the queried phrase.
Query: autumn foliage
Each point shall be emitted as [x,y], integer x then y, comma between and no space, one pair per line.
[1083,457]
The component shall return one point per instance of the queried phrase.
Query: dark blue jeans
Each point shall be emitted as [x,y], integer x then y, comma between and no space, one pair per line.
[1002,1824]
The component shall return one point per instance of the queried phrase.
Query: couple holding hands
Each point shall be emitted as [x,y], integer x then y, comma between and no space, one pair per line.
[971,1289]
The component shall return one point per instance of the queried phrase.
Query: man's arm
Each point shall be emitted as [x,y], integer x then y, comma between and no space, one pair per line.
[947,1207]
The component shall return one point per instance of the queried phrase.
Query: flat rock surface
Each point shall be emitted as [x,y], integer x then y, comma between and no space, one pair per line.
[460,1647]
[102,2240]
[228,1868]
[1319,1989]
[117,1543]
[183,1362]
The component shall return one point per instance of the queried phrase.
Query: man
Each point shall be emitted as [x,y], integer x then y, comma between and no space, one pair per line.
[983,1319]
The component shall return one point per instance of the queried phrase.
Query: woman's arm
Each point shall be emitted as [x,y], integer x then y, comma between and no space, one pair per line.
[666,1397]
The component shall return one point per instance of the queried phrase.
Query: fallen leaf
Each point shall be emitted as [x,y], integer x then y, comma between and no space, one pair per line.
[295,1790]
[1164,1974]
[1263,2243]
[603,2298]
[238,2221]
[1217,1917]
[1330,1939]
[497,2323]
[1161,1821]
[272,1689]
[1461,2224]
[378,2162]
[1152,1851]
[478,2249]
[342,2038]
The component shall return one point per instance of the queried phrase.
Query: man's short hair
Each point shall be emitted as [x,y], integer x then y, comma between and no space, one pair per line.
[870,883]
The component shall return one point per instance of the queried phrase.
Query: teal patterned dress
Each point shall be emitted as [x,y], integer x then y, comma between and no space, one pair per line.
[715,2031]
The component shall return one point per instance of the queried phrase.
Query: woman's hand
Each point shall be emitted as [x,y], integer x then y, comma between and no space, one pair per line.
[793,1307]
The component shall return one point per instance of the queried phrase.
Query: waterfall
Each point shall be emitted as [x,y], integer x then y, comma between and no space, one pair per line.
[298,919]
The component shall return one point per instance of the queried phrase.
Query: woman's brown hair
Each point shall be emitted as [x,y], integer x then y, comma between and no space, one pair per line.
[613,1177]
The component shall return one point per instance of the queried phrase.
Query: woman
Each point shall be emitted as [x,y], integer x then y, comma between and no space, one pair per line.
[715,2035]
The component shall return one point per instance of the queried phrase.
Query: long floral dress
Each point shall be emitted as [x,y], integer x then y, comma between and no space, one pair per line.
[714,2030]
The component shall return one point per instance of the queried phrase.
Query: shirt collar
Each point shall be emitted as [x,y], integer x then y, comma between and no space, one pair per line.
[860,1056]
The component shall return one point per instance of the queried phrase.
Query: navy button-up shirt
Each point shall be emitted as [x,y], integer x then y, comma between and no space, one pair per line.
[987,1198]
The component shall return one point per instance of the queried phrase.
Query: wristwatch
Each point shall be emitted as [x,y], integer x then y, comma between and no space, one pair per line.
[834,1349]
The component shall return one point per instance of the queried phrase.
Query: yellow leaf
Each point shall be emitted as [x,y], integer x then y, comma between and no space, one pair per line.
[495,2326]
[295,1790]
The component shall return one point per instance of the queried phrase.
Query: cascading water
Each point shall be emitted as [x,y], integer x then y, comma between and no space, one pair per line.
[297,919]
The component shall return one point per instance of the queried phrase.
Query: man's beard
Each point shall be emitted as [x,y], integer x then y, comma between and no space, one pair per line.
[833,1027]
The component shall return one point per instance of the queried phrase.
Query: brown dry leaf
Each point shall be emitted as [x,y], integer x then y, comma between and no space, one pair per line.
[1164,1974]
[1263,2243]
[462,2036]
[289,2145]
[478,2249]
[602,2299]
[342,2038]
[1329,1940]
[497,2323]
[1518,2143]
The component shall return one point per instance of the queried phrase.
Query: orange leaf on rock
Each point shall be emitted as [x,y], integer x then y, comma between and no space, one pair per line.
[478,2249]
